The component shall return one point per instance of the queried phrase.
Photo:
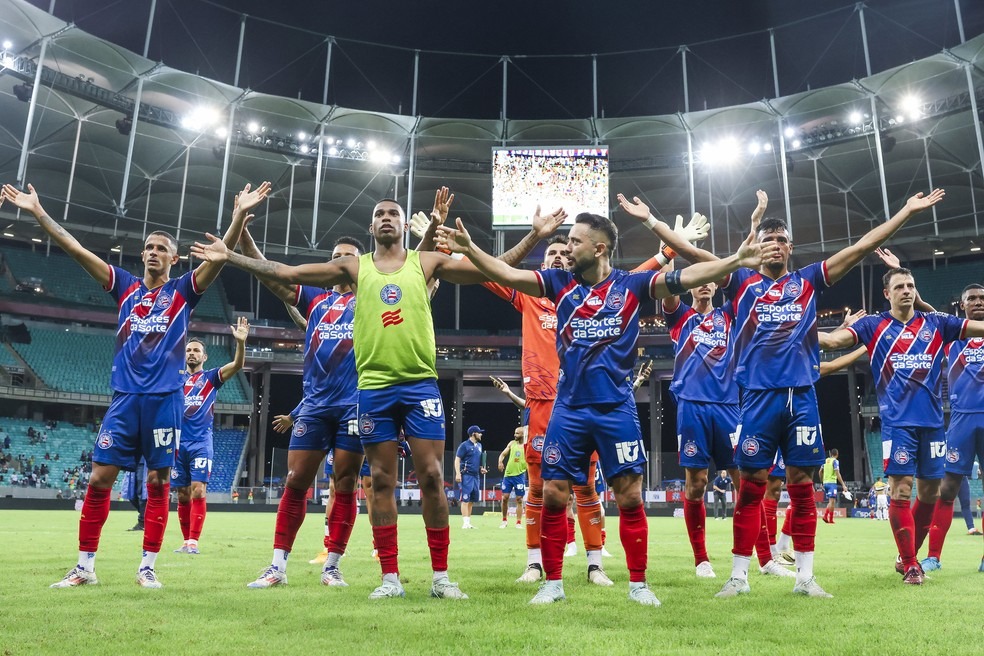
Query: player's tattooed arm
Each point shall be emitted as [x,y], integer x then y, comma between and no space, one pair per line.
[457,240]
[542,227]
[344,270]
[286,293]
[29,202]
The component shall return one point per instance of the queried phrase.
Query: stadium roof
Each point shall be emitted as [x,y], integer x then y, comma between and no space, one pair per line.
[78,150]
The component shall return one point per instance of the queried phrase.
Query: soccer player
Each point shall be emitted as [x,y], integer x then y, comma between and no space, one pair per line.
[906,351]
[965,435]
[467,468]
[597,319]
[324,422]
[193,462]
[512,463]
[395,357]
[777,347]
[831,477]
[144,417]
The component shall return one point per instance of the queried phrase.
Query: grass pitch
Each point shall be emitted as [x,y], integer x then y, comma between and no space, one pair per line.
[205,607]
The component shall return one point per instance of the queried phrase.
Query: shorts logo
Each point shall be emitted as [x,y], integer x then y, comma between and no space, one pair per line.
[330,458]
[792,289]
[163,301]
[552,455]
[520,487]
[174,472]
[937,449]
[952,456]
[806,435]
[390,294]
[750,446]
[299,428]
[627,452]
[926,335]
[391,318]
[780,463]
[690,449]
[538,443]
[615,300]
[901,456]
[105,440]
[366,424]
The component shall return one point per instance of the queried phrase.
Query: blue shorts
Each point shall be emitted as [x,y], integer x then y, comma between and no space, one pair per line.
[470,488]
[414,407]
[774,419]
[830,490]
[514,483]
[192,463]
[600,485]
[778,466]
[916,451]
[574,433]
[365,471]
[135,425]
[706,431]
[326,429]
[964,439]
[329,463]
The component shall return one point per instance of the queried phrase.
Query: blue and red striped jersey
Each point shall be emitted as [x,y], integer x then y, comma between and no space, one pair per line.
[200,390]
[329,377]
[704,364]
[965,374]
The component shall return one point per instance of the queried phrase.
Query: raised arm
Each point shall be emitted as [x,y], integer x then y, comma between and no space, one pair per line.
[842,362]
[542,227]
[892,261]
[239,332]
[457,240]
[759,211]
[94,265]
[286,293]
[425,229]
[843,261]
[501,385]
[749,255]
[246,200]
[645,371]
[678,242]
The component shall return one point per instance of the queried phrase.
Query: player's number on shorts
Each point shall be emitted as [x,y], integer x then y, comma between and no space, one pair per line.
[432,407]
[163,437]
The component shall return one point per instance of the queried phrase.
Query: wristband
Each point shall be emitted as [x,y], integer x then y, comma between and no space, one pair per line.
[673,283]
[665,255]
[651,222]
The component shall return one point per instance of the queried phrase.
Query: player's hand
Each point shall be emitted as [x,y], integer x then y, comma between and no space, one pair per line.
[247,200]
[483,470]
[636,208]
[544,226]
[418,224]
[457,478]
[646,370]
[850,319]
[921,201]
[442,205]
[455,240]
[241,330]
[282,423]
[752,255]
[500,384]
[25,201]
[215,251]
[502,467]
[890,259]
[759,211]
[695,230]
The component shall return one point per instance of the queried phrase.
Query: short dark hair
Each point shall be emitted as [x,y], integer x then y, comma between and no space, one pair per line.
[973,285]
[834,453]
[601,224]
[897,271]
[391,200]
[200,341]
[771,224]
[350,241]
[557,239]
[166,235]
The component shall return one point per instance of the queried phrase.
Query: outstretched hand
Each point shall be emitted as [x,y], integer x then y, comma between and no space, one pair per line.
[215,251]
[241,330]
[500,384]
[921,201]
[752,254]
[695,230]
[247,200]
[25,201]
[282,423]
[636,208]
[890,259]
[456,240]
[418,224]
[850,319]
[759,211]
[442,205]
[544,226]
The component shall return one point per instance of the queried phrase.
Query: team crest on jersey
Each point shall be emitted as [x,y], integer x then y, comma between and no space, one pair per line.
[390,294]
[901,456]
[952,455]
[538,443]
[299,428]
[351,304]
[200,382]
[750,446]
[926,335]
[552,455]
[690,449]
[366,424]
[615,300]
[718,321]
[792,289]
[105,440]
[163,301]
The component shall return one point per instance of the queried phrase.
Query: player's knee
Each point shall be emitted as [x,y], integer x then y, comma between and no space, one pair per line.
[344,483]
[184,495]
[198,490]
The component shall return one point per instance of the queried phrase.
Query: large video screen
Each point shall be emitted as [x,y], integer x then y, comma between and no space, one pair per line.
[574,178]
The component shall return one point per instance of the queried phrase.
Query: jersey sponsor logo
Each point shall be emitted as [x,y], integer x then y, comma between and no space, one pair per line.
[774,293]
[155,323]
[551,455]
[334,331]
[952,455]
[977,341]
[105,440]
[594,301]
[299,428]
[366,424]
[911,360]
[391,318]
[615,300]
[596,329]
[793,289]
[750,446]
[390,294]
[627,452]
[548,321]
[907,335]
[690,449]
[926,335]
[779,313]
[538,443]
[163,300]
[901,456]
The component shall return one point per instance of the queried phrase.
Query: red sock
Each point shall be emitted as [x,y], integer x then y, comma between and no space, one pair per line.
[290,516]
[438,540]
[341,519]
[384,537]
[604,537]
[942,518]
[762,548]
[633,529]
[197,518]
[184,519]
[155,516]
[95,510]
[570,530]
[771,521]
[903,526]
[695,516]
[803,523]
[748,517]
[553,537]
[787,522]
[922,516]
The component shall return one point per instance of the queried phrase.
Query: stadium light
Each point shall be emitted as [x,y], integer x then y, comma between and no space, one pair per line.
[350,143]
[371,145]
[767,147]
[912,106]
[302,136]
[36,240]
[115,249]
[396,160]
[8,234]
[222,132]
[754,148]
[797,143]
[7,45]
[854,118]
[937,251]
[200,118]
[252,127]
[789,132]
[973,249]
[305,148]
[333,151]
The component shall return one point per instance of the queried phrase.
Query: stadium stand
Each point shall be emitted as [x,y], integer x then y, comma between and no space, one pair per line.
[228,446]
[54,357]
[7,358]
[66,440]
[873,444]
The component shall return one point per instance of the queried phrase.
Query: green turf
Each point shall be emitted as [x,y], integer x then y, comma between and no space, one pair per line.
[205,607]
